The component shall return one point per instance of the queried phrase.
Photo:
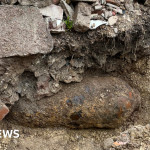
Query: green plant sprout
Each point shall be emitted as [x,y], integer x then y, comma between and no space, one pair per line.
[68,23]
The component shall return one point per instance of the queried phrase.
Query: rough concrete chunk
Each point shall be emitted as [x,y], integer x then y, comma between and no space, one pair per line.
[52,11]
[38,3]
[68,10]
[112,20]
[23,32]
[82,17]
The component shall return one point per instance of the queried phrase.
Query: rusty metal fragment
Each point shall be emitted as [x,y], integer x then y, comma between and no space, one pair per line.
[103,102]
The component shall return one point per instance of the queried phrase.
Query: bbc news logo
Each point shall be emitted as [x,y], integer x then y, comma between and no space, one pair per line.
[9,133]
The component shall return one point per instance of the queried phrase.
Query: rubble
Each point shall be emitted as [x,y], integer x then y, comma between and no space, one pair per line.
[52,11]
[129,5]
[103,2]
[67,9]
[56,26]
[23,33]
[98,7]
[82,17]
[84,11]
[119,11]
[116,30]
[37,3]
[10,2]
[54,18]
[147,3]
[108,14]
[136,137]
[96,23]
[112,20]
[111,5]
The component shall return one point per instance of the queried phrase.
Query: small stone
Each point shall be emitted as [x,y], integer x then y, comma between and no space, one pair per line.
[136,6]
[82,17]
[137,12]
[129,6]
[108,143]
[113,13]
[52,11]
[98,7]
[116,30]
[108,14]
[112,20]
[111,5]
[68,10]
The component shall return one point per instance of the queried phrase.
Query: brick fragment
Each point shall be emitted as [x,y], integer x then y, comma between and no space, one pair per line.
[3,111]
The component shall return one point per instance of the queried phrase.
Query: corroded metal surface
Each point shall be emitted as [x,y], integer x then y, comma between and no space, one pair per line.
[103,102]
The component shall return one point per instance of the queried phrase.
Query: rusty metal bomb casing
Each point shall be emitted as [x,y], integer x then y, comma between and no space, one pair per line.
[103,102]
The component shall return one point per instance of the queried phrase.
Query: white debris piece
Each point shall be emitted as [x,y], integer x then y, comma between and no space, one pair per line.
[98,7]
[103,2]
[96,23]
[96,3]
[129,6]
[137,12]
[116,30]
[112,20]
[94,16]
[52,11]
[108,14]
[114,6]
[127,17]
